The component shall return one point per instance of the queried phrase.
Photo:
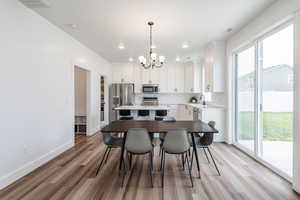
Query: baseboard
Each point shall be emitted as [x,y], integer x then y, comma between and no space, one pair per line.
[30,166]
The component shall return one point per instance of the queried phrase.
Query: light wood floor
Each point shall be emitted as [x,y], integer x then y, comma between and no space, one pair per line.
[72,176]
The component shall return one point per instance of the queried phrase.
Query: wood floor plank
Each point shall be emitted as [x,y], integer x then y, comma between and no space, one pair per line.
[72,175]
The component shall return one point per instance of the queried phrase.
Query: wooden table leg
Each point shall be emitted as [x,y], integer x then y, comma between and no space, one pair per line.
[196,153]
[122,151]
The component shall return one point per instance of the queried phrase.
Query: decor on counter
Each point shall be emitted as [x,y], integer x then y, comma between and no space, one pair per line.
[152,60]
[194,99]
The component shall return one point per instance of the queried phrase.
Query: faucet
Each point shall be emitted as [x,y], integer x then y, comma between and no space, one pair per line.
[202,98]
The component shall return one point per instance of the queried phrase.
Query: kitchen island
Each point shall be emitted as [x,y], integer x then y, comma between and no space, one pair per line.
[152,108]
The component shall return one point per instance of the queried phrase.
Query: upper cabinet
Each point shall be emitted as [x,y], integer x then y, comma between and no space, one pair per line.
[122,73]
[192,77]
[175,78]
[214,67]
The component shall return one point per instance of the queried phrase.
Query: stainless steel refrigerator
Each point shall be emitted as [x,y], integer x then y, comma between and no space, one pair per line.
[120,94]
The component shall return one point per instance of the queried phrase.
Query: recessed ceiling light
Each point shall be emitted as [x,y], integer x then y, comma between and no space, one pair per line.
[177,59]
[130,59]
[121,46]
[185,45]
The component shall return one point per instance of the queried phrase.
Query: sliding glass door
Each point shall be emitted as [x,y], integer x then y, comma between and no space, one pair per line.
[276,92]
[245,100]
[264,98]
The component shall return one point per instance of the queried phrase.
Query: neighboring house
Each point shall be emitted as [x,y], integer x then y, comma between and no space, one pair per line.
[277,93]
[277,78]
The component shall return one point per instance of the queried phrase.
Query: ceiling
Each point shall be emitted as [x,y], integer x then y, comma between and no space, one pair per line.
[101,24]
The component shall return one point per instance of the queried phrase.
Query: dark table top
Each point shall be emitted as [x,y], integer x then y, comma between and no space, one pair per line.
[158,126]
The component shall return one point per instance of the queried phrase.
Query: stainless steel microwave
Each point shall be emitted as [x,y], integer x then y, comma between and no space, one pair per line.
[150,88]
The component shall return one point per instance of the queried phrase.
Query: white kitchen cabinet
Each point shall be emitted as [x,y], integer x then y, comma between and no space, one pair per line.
[173,111]
[123,73]
[137,74]
[192,77]
[214,67]
[217,115]
[175,78]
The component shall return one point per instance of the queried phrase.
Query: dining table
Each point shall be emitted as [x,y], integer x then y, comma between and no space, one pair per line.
[153,126]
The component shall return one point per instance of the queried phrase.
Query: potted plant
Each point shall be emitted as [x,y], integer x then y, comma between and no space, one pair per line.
[194,99]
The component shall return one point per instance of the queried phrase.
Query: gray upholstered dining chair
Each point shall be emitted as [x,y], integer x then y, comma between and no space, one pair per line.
[204,142]
[176,142]
[110,142]
[138,142]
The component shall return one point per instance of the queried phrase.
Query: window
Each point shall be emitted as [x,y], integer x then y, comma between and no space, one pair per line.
[264,99]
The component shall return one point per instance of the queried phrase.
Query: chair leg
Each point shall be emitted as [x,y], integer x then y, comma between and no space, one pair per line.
[107,148]
[190,172]
[183,161]
[192,159]
[150,167]
[213,161]
[125,170]
[128,158]
[107,155]
[206,155]
[163,168]
[186,157]
[161,160]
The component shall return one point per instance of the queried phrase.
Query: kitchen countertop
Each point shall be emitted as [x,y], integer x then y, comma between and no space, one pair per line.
[208,106]
[141,107]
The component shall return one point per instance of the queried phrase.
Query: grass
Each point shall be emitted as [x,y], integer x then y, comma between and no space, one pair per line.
[277,126]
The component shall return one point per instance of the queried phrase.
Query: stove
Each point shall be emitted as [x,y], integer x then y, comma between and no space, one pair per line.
[150,101]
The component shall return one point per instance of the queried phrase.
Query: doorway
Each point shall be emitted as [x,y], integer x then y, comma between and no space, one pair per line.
[80,95]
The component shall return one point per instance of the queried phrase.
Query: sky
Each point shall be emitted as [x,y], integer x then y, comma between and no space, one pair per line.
[277,49]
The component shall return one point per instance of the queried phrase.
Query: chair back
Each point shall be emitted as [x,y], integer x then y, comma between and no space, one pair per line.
[125,112]
[143,113]
[176,141]
[208,138]
[106,137]
[138,141]
[161,113]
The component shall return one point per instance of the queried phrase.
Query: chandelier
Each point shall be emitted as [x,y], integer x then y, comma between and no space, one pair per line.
[152,58]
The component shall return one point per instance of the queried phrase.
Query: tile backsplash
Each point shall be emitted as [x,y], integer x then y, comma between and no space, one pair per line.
[216,98]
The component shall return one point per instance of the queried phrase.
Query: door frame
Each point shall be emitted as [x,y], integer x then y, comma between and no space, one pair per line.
[258,100]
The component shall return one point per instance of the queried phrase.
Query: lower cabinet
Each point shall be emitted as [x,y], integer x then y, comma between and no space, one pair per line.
[186,112]
[217,115]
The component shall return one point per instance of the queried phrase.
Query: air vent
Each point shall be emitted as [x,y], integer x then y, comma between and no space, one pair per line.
[36,3]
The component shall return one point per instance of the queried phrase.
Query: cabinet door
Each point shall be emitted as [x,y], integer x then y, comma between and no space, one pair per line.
[163,80]
[155,75]
[172,79]
[137,74]
[217,115]
[123,73]
[146,76]
[179,79]
[188,77]
[173,111]
[208,82]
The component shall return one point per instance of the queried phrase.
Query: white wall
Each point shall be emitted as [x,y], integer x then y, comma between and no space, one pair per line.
[80,82]
[37,90]
[276,14]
